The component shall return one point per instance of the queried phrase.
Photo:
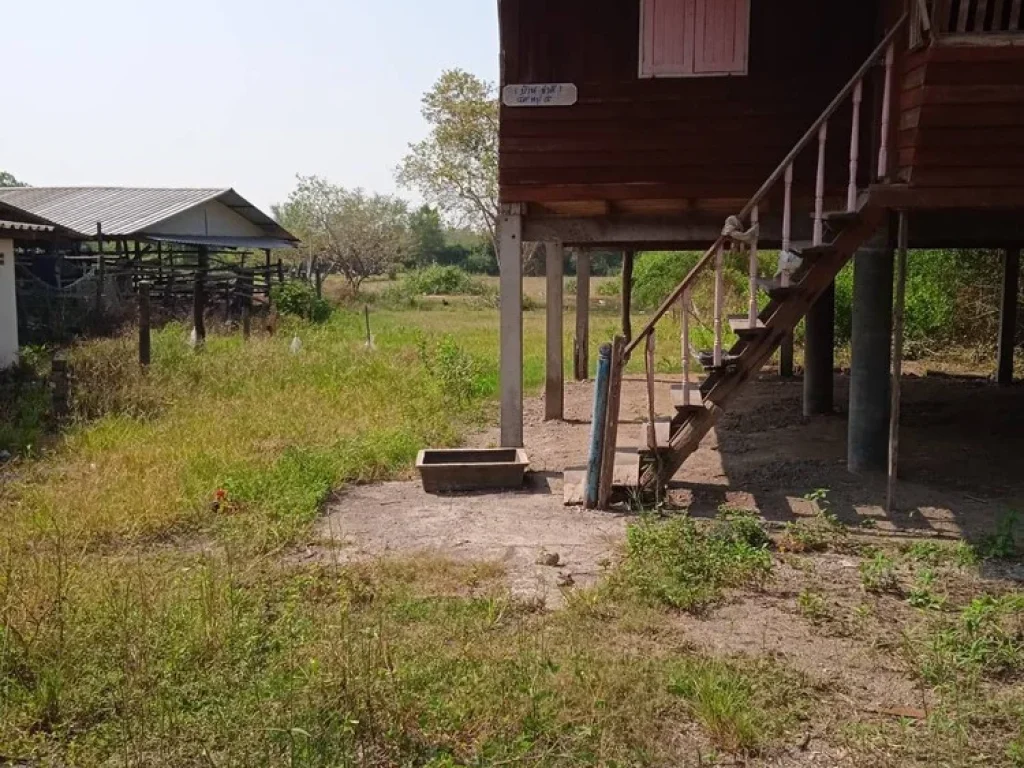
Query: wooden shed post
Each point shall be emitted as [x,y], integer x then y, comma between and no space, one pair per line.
[510,262]
[627,295]
[1008,316]
[145,345]
[554,394]
[581,345]
[199,296]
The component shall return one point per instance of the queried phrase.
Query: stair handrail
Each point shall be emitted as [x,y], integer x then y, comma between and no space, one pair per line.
[812,133]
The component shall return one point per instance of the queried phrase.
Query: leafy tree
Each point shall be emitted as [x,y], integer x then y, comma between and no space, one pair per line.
[427,233]
[8,180]
[456,166]
[349,232]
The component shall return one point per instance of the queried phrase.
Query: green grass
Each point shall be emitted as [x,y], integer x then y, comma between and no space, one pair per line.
[150,613]
[678,564]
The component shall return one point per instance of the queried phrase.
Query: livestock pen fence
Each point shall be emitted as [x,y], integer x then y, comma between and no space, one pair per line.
[65,293]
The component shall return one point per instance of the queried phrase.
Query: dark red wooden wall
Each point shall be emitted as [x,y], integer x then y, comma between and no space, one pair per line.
[696,139]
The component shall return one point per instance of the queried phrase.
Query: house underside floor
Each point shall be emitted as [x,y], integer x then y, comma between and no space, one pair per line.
[961,440]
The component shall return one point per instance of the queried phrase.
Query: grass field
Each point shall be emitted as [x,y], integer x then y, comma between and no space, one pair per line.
[151,612]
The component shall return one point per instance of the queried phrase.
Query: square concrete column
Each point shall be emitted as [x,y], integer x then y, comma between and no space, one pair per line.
[581,351]
[868,431]
[554,390]
[510,262]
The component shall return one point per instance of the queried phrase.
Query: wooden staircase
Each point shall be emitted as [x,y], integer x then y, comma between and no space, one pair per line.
[660,453]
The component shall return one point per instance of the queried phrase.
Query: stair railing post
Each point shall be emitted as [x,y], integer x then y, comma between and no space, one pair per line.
[883,150]
[819,186]
[851,192]
[754,271]
[787,209]
[684,339]
[719,302]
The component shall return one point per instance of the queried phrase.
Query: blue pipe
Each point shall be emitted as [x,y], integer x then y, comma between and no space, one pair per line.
[604,368]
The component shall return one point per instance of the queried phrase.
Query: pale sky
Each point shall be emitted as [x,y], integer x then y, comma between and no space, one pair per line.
[232,93]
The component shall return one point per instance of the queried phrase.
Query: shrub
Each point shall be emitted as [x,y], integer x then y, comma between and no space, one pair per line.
[609,288]
[656,274]
[440,281]
[298,298]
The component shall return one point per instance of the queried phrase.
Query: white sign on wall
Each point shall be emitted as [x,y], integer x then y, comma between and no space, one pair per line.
[540,95]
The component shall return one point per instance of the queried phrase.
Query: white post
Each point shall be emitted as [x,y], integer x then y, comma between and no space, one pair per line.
[554,394]
[8,306]
[883,151]
[510,261]
[819,187]
[754,271]
[851,193]
[684,340]
[719,301]
[787,210]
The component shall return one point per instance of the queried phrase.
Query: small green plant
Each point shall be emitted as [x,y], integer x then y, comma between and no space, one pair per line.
[459,374]
[878,574]
[812,605]
[921,594]
[987,640]
[298,298]
[676,563]
[1002,543]
[722,699]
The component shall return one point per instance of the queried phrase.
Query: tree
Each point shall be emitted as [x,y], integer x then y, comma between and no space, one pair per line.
[8,180]
[428,239]
[349,232]
[456,166]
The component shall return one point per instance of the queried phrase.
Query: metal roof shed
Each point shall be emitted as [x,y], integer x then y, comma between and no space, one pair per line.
[220,218]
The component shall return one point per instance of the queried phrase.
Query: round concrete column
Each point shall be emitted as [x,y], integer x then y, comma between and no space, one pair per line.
[868,432]
[819,354]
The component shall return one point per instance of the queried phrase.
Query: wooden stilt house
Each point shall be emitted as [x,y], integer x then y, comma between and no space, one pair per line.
[823,129]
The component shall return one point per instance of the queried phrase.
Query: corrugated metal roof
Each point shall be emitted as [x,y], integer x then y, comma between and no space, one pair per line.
[258,243]
[123,211]
[24,226]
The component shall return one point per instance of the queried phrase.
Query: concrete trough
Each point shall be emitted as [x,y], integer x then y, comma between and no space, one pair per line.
[472,469]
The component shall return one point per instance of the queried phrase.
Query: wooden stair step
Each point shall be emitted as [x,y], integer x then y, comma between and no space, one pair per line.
[807,250]
[696,398]
[662,433]
[740,325]
[625,477]
[841,218]
[778,292]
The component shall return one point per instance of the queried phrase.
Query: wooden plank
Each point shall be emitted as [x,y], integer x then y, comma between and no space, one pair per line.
[897,359]
[1015,15]
[968,177]
[626,476]
[510,259]
[662,432]
[611,425]
[554,393]
[902,196]
[964,157]
[627,294]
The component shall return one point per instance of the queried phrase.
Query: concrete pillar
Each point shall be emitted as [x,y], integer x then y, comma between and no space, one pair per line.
[554,391]
[581,353]
[819,354]
[510,261]
[1008,316]
[8,306]
[868,433]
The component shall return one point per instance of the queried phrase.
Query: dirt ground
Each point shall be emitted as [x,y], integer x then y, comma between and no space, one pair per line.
[961,460]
